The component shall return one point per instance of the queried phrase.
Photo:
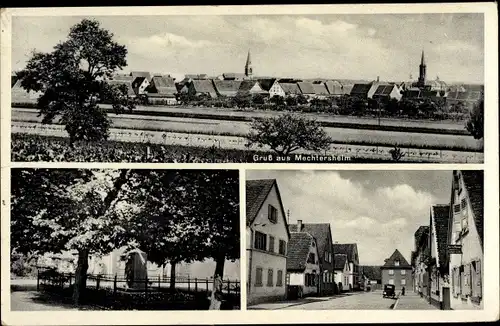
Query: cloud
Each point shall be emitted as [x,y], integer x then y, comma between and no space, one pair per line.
[166,42]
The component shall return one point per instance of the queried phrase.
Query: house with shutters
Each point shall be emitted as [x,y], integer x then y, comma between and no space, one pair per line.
[397,271]
[351,251]
[438,248]
[342,273]
[302,265]
[466,240]
[267,240]
[419,261]
[140,85]
[323,235]
[272,86]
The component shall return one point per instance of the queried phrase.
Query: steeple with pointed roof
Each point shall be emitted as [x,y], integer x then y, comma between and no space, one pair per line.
[422,70]
[248,66]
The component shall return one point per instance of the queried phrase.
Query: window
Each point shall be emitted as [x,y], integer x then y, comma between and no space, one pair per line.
[258,276]
[269,277]
[403,282]
[456,208]
[271,244]
[396,263]
[312,258]
[476,279]
[279,278]
[403,272]
[260,240]
[326,257]
[464,214]
[391,272]
[272,214]
[282,248]
[391,281]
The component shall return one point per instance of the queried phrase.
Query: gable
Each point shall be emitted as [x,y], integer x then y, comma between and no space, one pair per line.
[396,255]
[298,249]
[320,231]
[440,215]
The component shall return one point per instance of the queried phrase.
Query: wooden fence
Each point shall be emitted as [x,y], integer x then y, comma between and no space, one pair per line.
[186,284]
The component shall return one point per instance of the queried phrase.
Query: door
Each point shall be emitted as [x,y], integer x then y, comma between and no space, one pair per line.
[446,299]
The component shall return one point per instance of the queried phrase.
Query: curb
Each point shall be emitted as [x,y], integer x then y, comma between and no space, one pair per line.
[393,307]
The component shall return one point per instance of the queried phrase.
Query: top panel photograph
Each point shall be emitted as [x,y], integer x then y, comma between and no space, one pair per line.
[325,88]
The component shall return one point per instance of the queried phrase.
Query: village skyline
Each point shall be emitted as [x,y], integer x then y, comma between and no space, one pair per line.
[453,43]
[378,210]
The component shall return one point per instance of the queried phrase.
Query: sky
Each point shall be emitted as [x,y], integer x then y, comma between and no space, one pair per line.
[341,46]
[378,210]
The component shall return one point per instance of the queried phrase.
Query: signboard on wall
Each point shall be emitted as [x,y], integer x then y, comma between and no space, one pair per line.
[455,249]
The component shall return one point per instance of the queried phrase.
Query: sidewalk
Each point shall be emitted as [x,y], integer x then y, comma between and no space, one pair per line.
[412,301]
[291,303]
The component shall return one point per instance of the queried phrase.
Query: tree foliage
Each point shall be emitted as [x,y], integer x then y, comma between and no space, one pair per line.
[475,123]
[287,133]
[71,80]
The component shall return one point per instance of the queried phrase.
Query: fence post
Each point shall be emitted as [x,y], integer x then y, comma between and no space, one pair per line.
[228,287]
[38,280]
[206,281]
[159,283]
[146,289]
[189,284]
[98,281]
[114,285]
[70,279]
[195,284]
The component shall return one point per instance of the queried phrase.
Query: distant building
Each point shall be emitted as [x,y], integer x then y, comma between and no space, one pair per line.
[140,85]
[227,88]
[251,87]
[162,90]
[201,87]
[272,86]
[364,91]
[387,91]
[128,84]
[145,74]
[20,95]
[234,76]
[334,88]
[342,273]
[420,261]
[302,264]
[466,235]
[306,89]
[290,89]
[372,275]
[397,271]
[267,241]
[323,235]
[351,251]
[248,66]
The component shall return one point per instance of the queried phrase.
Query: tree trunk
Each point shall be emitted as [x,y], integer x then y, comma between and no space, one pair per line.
[80,276]
[216,297]
[172,275]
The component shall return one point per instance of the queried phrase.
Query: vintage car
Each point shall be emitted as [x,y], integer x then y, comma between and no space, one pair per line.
[389,291]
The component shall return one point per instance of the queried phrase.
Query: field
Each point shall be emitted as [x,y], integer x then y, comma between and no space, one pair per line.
[351,136]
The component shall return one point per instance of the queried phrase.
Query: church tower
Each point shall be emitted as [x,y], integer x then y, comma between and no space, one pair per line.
[248,66]
[423,70]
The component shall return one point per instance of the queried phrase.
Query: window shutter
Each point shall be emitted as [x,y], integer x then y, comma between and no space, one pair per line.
[469,283]
[478,279]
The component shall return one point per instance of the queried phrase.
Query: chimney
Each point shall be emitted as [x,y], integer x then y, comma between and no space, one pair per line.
[378,79]
[299,225]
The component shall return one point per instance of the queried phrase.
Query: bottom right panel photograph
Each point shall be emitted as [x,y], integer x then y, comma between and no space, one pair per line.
[356,239]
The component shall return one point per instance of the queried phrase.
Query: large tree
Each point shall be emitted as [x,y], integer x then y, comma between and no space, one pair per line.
[475,123]
[287,133]
[71,81]
[71,210]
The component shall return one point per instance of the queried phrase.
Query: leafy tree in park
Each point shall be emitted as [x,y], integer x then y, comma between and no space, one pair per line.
[71,81]
[409,107]
[287,133]
[68,210]
[475,123]
[358,106]
[258,99]
[278,100]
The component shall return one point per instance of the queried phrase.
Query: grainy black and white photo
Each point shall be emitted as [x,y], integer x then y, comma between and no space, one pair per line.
[324,88]
[106,239]
[361,240]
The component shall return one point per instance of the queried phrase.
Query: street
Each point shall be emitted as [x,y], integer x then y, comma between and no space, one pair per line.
[354,300]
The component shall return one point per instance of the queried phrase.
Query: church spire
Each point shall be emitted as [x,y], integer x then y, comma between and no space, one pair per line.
[248,66]
[422,71]
[422,60]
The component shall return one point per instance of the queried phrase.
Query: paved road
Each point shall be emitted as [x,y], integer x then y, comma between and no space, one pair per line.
[356,300]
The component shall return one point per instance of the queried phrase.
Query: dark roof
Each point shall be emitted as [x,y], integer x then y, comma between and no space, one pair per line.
[144,74]
[396,255]
[474,181]
[320,231]
[199,76]
[204,86]
[162,86]
[233,75]
[347,88]
[361,89]
[340,260]
[227,87]
[371,272]
[290,88]
[247,85]
[266,84]
[345,248]
[320,89]
[384,90]
[138,81]
[130,89]
[306,88]
[13,80]
[122,77]
[421,234]
[441,215]
[298,250]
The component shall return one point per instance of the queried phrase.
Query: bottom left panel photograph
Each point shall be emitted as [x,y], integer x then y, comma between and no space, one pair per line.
[117,239]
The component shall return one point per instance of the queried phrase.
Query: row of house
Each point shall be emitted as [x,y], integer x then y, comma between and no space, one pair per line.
[291,260]
[448,257]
